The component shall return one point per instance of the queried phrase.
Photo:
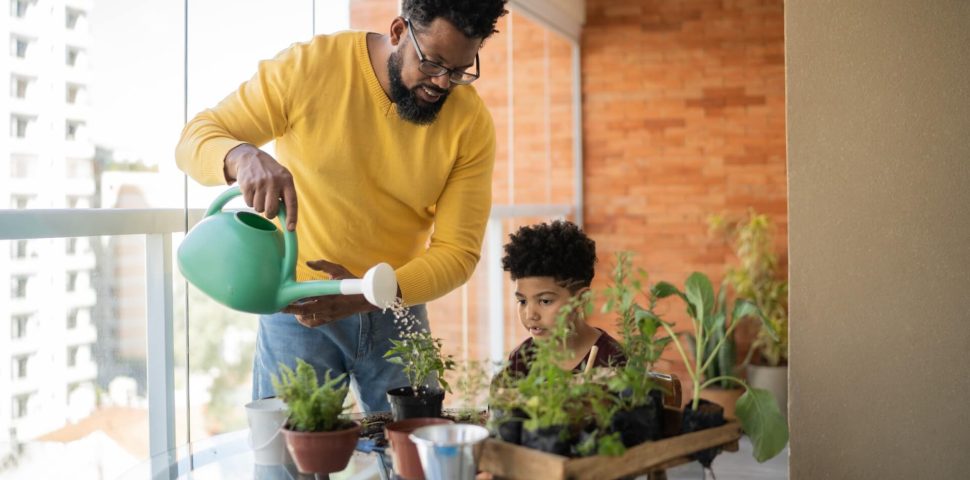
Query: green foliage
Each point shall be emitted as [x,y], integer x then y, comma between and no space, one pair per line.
[597,443]
[638,327]
[756,409]
[757,277]
[547,390]
[420,355]
[223,342]
[610,445]
[552,395]
[760,417]
[471,384]
[313,407]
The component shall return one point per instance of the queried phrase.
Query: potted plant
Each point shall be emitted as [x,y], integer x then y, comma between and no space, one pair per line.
[319,438]
[562,410]
[639,413]
[419,354]
[757,278]
[756,408]
[471,381]
[722,392]
[505,414]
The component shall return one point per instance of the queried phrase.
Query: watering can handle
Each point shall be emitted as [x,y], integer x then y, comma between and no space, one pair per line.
[289,238]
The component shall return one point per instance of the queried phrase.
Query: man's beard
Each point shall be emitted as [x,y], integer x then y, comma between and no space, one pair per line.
[408,106]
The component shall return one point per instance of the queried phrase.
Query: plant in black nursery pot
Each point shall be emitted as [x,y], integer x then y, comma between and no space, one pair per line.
[756,408]
[562,407]
[639,413]
[419,354]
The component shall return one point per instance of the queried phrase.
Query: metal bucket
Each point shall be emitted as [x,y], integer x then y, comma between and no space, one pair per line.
[449,452]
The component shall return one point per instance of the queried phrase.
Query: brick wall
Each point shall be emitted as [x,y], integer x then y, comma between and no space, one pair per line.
[683,116]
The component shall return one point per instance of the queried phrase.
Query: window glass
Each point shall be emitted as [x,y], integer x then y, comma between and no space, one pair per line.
[76,356]
[221,341]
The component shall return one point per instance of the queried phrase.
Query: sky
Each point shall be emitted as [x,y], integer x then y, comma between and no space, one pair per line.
[137,61]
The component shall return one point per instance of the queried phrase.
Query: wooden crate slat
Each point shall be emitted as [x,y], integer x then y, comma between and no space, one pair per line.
[507,460]
[650,455]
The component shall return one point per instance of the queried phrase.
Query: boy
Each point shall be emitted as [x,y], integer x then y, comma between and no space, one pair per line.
[550,264]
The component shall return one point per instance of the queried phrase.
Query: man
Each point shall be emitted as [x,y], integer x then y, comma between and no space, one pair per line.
[381,141]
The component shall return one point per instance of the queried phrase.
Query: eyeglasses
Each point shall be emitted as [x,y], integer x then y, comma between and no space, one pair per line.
[432,69]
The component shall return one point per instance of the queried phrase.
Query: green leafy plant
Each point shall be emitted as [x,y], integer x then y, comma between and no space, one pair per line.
[551,395]
[313,407]
[547,390]
[756,408]
[596,443]
[757,277]
[637,327]
[720,336]
[419,354]
[471,383]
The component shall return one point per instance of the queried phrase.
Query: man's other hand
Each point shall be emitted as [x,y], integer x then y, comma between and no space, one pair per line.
[316,311]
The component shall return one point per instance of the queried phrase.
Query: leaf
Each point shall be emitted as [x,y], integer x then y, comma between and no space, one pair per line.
[763,422]
[700,295]
[745,308]
[664,290]
[647,321]
[396,361]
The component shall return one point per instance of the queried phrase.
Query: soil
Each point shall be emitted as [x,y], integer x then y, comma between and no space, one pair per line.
[372,425]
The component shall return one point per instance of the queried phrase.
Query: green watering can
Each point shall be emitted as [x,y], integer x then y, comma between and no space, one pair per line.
[244,262]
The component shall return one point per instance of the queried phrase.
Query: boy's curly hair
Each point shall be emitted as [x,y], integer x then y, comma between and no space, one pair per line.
[474,18]
[560,250]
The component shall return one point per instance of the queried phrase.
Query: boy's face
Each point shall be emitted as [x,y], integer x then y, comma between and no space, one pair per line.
[539,300]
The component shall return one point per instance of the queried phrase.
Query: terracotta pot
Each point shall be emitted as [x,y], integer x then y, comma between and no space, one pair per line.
[322,452]
[407,464]
[773,379]
[725,397]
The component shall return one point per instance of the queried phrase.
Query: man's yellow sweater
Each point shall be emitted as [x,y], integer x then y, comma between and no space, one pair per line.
[370,186]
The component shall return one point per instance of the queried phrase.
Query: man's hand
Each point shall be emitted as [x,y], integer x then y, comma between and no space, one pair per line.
[263,182]
[316,311]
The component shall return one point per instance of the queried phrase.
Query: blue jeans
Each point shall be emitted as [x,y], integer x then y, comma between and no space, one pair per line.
[355,345]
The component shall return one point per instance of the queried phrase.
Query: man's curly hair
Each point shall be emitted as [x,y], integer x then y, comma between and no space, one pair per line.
[559,250]
[474,18]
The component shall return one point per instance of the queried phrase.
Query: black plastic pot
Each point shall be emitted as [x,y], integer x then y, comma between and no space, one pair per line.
[508,425]
[641,423]
[554,439]
[707,415]
[406,404]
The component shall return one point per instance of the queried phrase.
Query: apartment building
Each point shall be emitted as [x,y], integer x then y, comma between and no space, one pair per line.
[47,294]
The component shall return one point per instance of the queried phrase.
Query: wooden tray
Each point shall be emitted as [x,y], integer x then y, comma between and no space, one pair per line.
[507,460]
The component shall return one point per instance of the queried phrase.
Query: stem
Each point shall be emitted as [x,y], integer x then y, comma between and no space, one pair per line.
[683,355]
[699,349]
[717,347]
[724,377]
[747,358]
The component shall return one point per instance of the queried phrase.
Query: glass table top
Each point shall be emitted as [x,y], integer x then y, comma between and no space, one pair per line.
[228,456]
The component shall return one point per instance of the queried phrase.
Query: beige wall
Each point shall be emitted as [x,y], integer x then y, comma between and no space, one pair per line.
[879,203]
